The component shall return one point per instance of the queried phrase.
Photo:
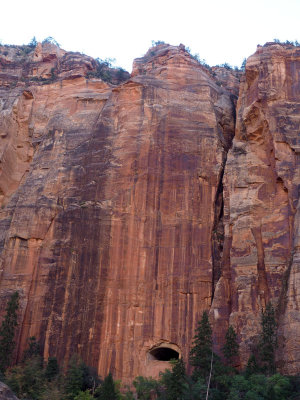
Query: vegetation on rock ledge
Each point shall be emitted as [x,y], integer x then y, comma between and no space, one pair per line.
[106,72]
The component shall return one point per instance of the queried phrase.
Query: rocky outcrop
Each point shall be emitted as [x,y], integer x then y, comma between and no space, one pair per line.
[261,195]
[228,78]
[127,209]
[6,393]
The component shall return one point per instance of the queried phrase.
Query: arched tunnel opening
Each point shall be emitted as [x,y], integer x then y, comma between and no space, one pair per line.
[164,354]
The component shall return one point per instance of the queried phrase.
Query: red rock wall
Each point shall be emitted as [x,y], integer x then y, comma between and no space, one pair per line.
[123,217]
[261,194]
[108,236]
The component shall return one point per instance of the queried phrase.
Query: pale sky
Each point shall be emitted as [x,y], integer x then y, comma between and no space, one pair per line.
[220,31]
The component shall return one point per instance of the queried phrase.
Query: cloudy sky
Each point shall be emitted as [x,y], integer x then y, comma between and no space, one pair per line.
[219,31]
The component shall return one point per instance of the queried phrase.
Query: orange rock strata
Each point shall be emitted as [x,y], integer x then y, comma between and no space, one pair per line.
[118,227]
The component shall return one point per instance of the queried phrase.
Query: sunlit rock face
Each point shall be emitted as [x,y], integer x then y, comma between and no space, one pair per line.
[128,208]
[111,197]
[261,206]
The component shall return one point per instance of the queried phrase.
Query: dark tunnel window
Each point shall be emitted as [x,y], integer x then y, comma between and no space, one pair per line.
[164,354]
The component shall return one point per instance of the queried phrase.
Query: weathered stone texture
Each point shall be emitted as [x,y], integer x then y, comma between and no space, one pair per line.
[108,234]
[127,210]
[261,193]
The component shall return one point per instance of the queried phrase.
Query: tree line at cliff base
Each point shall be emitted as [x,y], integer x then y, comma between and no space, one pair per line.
[212,377]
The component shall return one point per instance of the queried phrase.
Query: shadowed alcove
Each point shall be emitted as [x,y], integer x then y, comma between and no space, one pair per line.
[163,353]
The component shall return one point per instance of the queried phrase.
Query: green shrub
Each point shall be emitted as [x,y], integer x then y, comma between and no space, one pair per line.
[146,387]
[107,390]
[52,369]
[7,331]
[84,396]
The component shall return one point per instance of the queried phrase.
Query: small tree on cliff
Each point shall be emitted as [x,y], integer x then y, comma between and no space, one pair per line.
[231,347]
[243,66]
[33,42]
[201,352]
[268,339]
[7,331]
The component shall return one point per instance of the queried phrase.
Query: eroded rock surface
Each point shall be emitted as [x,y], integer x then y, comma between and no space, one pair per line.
[261,204]
[127,210]
[107,225]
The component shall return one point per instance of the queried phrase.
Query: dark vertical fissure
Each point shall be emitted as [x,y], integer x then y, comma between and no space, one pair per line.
[226,134]
[217,239]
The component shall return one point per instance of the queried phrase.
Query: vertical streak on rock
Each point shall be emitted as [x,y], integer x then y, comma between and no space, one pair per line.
[25,327]
[83,236]
[161,135]
[263,290]
[218,234]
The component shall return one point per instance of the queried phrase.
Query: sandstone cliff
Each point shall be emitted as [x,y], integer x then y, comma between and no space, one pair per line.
[127,210]
[261,204]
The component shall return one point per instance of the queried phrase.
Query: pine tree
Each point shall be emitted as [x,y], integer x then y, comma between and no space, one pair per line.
[33,42]
[146,388]
[231,347]
[268,340]
[33,350]
[74,377]
[201,352]
[107,391]
[243,66]
[84,396]
[7,332]
[252,366]
[174,380]
[52,369]
[27,379]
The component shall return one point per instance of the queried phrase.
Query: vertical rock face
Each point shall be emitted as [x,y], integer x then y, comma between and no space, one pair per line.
[261,204]
[108,222]
[127,209]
